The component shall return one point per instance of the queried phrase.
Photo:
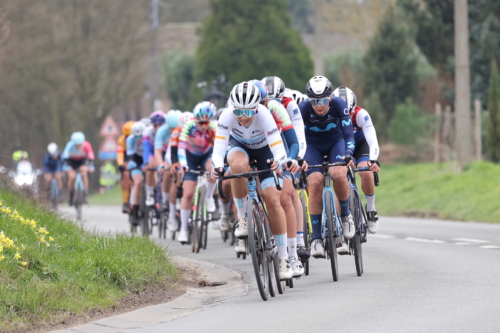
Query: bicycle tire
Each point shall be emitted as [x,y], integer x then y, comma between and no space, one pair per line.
[307,233]
[355,242]
[201,217]
[331,231]
[257,246]
[144,222]
[274,256]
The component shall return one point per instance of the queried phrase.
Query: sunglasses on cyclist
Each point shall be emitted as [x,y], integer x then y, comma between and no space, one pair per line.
[323,101]
[203,122]
[247,112]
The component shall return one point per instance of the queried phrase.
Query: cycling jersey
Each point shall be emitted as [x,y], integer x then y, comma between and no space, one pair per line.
[134,145]
[262,132]
[74,153]
[285,127]
[51,164]
[364,130]
[194,140]
[173,146]
[148,143]
[334,125]
[162,137]
[120,152]
[298,124]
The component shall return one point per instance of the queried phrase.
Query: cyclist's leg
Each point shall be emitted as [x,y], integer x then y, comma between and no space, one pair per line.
[188,189]
[225,205]
[150,180]
[71,184]
[84,172]
[125,187]
[58,176]
[368,187]
[291,222]
[207,163]
[238,160]
[173,194]
[137,179]
[47,176]
[315,182]
[299,216]
[341,187]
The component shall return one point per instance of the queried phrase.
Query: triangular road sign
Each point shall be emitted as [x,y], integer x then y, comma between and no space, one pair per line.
[109,145]
[109,128]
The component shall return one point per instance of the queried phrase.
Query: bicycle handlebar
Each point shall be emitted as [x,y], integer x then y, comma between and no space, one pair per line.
[364,169]
[245,175]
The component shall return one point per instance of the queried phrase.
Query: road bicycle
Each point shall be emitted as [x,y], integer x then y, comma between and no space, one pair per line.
[331,229]
[55,193]
[263,249]
[301,187]
[359,217]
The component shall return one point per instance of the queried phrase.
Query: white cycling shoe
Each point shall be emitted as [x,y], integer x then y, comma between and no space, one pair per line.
[372,218]
[285,272]
[297,268]
[348,226]
[344,249]
[172,224]
[241,230]
[317,249]
[240,246]
[210,202]
[215,225]
[150,200]
[183,236]
[224,222]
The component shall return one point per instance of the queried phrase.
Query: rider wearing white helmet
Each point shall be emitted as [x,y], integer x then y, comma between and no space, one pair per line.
[52,167]
[135,153]
[366,152]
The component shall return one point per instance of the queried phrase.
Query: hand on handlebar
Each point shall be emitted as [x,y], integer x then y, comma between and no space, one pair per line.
[350,161]
[292,165]
[374,165]
[275,166]
[215,174]
[183,169]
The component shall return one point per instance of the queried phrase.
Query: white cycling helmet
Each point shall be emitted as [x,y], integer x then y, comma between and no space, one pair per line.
[319,87]
[138,128]
[52,148]
[245,95]
[296,95]
[347,95]
[186,116]
[146,121]
[275,86]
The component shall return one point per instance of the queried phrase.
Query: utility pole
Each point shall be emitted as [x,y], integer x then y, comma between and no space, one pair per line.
[153,60]
[463,135]
[319,59]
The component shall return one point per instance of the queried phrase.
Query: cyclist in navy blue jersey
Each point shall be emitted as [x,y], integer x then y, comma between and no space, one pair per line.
[328,131]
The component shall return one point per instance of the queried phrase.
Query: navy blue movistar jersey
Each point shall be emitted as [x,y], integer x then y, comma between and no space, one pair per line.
[332,126]
[51,164]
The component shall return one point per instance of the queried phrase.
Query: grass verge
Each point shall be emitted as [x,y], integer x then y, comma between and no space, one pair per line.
[51,270]
[436,190]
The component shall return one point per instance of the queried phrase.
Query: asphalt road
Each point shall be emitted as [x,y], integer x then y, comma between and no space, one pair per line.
[419,276]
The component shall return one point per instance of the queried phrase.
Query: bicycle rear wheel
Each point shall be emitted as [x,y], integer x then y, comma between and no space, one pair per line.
[331,235]
[257,245]
[355,242]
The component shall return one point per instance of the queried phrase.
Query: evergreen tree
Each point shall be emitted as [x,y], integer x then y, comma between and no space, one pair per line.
[493,138]
[390,64]
[250,40]
[178,67]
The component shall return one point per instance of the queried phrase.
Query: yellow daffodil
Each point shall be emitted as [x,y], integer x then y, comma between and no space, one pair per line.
[23,263]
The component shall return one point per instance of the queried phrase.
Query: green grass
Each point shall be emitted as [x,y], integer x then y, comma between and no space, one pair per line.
[112,197]
[438,190]
[80,271]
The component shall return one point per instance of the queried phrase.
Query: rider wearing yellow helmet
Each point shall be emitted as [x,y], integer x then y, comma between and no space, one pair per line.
[120,161]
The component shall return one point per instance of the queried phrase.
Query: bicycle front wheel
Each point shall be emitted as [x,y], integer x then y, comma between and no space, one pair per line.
[200,206]
[355,242]
[257,246]
[307,233]
[331,235]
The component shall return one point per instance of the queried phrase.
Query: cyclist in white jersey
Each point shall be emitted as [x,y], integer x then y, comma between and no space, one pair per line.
[247,131]
[366,152]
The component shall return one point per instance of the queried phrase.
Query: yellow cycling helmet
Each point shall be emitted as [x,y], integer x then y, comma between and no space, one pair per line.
[127,128]
[16,156]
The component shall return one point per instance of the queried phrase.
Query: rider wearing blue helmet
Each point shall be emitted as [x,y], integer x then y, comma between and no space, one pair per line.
[76,154]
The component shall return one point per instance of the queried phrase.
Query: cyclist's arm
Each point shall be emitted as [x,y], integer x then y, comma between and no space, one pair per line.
[67,150]
[148,149]
[158,157]
[88,150]
[183,138]
[221,139]
[365,122]
[298,124]
[120,152]
[292,142]
[345,125]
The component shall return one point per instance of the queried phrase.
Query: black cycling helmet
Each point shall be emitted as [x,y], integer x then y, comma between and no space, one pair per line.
[319,87]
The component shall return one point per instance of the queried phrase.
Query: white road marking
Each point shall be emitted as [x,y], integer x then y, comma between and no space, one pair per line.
[470,240]
[437,241]
[490,247]
[463,243]
[382,236]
